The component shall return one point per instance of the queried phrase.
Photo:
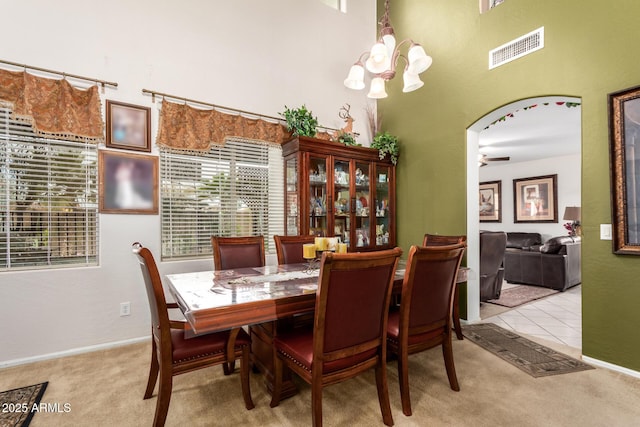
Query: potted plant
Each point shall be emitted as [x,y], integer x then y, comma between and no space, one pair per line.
[348,139]
[386,144]
[300,121]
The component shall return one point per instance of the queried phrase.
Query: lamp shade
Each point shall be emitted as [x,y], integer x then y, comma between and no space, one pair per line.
[377,90]
[389,41]
[379,60]
[419,61]
[355,79]
[411,81]
[572,213]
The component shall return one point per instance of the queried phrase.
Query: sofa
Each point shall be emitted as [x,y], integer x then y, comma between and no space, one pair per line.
[554,264]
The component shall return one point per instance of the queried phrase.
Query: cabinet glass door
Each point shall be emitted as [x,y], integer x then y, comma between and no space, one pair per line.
[292,197]
[382,205]
[362,205]
[318,224]
[342,201]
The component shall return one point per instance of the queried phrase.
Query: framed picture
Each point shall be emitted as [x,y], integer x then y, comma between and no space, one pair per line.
[128,126]
[128,183]
[535,199]
[490,201]
[624,134]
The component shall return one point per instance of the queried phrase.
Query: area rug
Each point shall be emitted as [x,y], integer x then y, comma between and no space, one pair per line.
[16,405]
[521,294]
[531,357]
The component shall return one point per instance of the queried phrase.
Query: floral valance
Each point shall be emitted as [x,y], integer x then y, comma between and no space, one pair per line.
[53,107]
[188,128]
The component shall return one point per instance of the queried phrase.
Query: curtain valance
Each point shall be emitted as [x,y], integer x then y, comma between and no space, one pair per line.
[53,107]
[187,128]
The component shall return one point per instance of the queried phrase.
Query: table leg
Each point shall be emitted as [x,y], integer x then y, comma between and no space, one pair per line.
[263,356]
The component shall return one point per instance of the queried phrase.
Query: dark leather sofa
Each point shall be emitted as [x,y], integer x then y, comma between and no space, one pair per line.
[554,264]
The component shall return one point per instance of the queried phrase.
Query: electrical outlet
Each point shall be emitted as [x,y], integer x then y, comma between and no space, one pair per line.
[125,308]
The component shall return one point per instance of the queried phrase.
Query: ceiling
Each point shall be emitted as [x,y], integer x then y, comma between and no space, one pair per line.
[536,131]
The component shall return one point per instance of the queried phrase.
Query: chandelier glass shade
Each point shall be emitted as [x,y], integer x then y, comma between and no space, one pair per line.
[382,60]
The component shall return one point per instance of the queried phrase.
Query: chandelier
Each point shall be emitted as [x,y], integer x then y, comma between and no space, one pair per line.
[383,59]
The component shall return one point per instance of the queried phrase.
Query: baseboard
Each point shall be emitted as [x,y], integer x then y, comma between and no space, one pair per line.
[72,352]
[610,366]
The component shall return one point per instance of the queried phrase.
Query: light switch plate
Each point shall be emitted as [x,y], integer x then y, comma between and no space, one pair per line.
[605,231]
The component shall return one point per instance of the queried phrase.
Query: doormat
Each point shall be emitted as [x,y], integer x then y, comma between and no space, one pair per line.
[531,357]
[16,404]
[521,294]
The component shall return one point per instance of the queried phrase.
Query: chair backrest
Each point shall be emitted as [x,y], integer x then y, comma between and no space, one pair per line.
[352,303]
[440,240]
[493,245]
[237,252]
[428,287]
[155,292]
[289,248]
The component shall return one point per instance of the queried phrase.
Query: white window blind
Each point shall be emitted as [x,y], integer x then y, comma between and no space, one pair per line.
[48,199]
[233,190]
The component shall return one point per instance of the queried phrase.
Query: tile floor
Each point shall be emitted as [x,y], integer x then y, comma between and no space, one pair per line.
[556,318]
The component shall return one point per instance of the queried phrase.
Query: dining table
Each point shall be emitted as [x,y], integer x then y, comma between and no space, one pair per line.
[265,299]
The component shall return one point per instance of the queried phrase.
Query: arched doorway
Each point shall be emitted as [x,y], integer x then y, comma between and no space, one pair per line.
[474,137]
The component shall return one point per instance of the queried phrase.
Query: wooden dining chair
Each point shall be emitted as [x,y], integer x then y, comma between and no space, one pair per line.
[424,318]
[173,354]
[237,252]
[289,248]
[347,338]
[440,240]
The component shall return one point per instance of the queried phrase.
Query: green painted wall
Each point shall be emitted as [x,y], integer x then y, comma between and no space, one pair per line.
[590,51]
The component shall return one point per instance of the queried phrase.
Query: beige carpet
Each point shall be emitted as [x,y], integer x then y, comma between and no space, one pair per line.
[105,389]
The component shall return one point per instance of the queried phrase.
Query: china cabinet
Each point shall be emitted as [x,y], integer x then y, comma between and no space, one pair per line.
[334,190]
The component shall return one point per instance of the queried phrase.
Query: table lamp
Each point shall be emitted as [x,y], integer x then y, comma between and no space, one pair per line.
[572,213]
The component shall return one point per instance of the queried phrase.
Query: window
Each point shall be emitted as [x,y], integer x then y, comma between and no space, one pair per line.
[48,199]
[231,190]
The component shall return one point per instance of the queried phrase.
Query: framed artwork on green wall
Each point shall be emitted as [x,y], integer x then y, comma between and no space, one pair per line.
[624,135]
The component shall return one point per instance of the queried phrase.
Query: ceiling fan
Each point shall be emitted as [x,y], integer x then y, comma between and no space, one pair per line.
[483,160]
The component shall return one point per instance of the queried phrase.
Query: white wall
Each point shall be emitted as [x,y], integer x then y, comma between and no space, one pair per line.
[567,168]
[253,55]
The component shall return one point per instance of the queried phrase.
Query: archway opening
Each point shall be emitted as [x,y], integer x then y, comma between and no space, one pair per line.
[493,120]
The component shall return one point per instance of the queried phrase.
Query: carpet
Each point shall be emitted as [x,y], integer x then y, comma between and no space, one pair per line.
[531,357]
[521,294]
[16,404]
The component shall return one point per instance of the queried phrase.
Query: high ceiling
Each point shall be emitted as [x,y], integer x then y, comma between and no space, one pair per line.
[548,129]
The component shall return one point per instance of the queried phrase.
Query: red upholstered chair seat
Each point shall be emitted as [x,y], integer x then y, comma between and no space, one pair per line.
[393,331]
[298,346]
[203,345]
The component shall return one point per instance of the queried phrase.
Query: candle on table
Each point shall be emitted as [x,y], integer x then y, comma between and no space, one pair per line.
[321,243]
[308,251]
[332,244]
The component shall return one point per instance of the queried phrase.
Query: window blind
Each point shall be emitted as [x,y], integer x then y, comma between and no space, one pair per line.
[48,199]
[231,190]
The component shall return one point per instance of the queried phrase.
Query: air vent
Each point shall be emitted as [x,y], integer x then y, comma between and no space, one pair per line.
[517,48]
